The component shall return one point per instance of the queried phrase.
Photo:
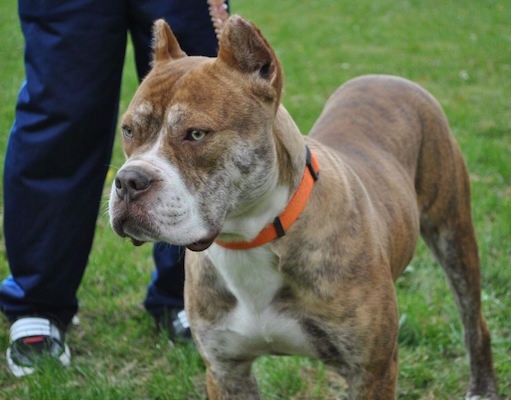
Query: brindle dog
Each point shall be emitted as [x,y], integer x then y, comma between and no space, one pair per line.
[213,158]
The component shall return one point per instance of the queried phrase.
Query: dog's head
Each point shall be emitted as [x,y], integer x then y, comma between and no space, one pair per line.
[198,139]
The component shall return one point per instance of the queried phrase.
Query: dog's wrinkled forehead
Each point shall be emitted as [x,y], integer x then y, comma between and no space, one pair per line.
[192,91]
[195,81]
[142,111]
[161,83]
[162,98]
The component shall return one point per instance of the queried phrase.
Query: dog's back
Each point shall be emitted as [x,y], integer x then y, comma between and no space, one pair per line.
[394,134]
[382,119]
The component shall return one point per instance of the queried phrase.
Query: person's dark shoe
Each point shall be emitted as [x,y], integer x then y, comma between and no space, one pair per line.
[174,323]
[32,339]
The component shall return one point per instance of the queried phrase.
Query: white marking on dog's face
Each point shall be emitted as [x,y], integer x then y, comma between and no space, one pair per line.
[144,109]
[174,115]
[169,212]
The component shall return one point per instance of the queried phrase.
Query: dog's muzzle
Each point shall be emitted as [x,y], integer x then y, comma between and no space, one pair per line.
[131,183]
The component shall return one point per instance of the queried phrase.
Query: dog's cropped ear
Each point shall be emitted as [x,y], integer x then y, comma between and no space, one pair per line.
[165,45]
[243,47]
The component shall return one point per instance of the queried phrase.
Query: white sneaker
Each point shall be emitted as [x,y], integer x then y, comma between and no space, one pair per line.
[33,338]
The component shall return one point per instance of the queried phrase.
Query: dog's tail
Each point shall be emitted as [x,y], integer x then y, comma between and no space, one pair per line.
[219,12]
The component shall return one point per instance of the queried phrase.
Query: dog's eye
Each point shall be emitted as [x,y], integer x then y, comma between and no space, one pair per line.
[127,132]
[195,135]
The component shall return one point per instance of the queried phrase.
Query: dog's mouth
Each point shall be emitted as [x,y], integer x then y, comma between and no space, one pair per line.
[139,230]
[199,245]
[204,243]
[136,242]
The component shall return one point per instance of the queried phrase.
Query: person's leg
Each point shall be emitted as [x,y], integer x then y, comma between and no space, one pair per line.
[59,150]
[191,23]
[165,292]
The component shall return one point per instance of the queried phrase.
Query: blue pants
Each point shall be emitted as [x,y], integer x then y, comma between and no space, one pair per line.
[60,144]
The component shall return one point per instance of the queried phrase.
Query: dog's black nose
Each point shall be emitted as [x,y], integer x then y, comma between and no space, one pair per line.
[131,183]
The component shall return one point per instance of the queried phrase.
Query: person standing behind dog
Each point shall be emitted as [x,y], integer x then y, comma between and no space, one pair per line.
[58,155]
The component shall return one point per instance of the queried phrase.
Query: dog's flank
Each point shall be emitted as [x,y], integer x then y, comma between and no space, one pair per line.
[212,155]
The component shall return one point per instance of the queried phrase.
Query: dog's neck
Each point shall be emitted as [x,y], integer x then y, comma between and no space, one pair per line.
[288,170]
[290,149]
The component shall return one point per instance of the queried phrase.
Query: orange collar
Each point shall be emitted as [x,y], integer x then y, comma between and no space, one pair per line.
[293,210]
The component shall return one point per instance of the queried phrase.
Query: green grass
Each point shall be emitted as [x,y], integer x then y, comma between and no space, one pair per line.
[460,51]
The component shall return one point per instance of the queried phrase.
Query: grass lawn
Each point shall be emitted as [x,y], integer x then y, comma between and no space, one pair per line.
[460,51]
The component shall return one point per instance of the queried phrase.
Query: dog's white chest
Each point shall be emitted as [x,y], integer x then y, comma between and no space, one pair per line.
[254,324]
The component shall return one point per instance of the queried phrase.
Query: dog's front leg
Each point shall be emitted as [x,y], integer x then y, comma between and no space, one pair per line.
[208,304]
[376,383]
[231,380]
